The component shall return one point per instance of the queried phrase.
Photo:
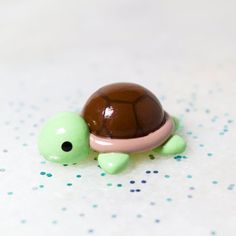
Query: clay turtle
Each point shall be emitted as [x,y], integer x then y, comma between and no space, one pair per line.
[117,120]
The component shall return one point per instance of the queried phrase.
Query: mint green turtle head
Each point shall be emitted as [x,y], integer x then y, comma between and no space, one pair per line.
[64,139]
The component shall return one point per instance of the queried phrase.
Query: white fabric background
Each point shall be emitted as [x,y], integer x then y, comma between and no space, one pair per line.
[54,54]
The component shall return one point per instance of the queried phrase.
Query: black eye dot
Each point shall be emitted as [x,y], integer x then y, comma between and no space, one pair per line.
[66,146]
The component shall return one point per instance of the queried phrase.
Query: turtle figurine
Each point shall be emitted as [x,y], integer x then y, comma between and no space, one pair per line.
[117,120]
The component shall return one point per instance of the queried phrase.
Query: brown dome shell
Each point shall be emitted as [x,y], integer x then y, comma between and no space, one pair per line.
[123,111]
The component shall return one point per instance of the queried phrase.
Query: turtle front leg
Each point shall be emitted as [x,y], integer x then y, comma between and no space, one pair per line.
[113,162]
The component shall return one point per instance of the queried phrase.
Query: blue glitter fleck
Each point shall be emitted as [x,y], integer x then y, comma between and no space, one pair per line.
[231,187]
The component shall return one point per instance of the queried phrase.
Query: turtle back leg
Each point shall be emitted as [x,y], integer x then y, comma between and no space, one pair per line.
[174,145]
[113,162]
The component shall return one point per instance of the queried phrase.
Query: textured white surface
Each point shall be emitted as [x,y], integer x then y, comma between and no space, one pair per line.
[53,54]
